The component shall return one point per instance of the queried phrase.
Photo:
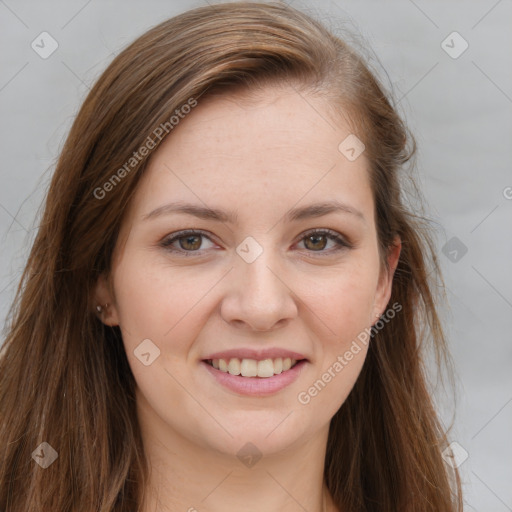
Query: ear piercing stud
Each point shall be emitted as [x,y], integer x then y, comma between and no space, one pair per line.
[99,308]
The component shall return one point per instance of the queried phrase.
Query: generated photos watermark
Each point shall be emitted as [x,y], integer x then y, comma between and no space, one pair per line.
[304,397]
[150,143]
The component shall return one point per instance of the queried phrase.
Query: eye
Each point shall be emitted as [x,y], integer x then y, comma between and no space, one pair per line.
[189,242]
[317,240]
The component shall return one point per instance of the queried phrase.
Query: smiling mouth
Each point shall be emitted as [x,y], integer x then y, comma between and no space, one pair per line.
[252,367]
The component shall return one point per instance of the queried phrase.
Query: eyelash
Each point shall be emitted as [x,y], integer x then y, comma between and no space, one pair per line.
[330,234]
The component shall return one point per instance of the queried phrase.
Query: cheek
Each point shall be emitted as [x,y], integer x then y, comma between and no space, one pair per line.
[160,303]
[342,300]
[344,306]
[163,305]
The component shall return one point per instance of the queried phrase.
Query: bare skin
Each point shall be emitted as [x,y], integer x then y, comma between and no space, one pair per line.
[259,159]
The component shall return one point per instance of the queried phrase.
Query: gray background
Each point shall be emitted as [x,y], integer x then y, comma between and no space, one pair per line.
[459,109]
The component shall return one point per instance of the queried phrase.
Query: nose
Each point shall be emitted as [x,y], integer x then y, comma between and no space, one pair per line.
[260,296]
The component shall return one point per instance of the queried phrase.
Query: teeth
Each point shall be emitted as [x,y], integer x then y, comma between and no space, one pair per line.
[234,367]
[248,367]
[253,368]
[265,368]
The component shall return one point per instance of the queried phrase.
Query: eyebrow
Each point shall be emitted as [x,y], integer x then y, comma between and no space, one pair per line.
[295,214]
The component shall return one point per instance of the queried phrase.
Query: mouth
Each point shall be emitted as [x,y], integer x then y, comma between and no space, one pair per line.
[247,368]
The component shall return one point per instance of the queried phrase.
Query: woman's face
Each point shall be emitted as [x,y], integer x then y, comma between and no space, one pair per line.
[255,277]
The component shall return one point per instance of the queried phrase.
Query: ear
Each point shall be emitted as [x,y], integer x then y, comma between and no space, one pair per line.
[104,297]
[385,285]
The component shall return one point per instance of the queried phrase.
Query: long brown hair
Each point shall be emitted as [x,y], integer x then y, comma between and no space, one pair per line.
[64,375]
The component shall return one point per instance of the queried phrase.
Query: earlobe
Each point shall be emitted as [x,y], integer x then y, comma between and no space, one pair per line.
[394,255]
[386,281]
[104,305]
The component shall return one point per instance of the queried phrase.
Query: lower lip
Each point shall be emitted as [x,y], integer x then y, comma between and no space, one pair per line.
[256,386]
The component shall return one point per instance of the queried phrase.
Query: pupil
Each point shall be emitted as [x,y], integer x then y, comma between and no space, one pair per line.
[316,238]
[188,239]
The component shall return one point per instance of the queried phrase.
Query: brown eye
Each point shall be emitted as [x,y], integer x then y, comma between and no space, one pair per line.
[190,242]
[315,242]
[186,243]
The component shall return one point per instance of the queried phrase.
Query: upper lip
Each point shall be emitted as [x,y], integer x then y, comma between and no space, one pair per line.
[248,353]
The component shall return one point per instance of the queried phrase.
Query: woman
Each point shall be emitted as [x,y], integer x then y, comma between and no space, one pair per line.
[196,327]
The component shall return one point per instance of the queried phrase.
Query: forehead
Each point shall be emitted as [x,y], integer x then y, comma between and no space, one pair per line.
[274,148]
